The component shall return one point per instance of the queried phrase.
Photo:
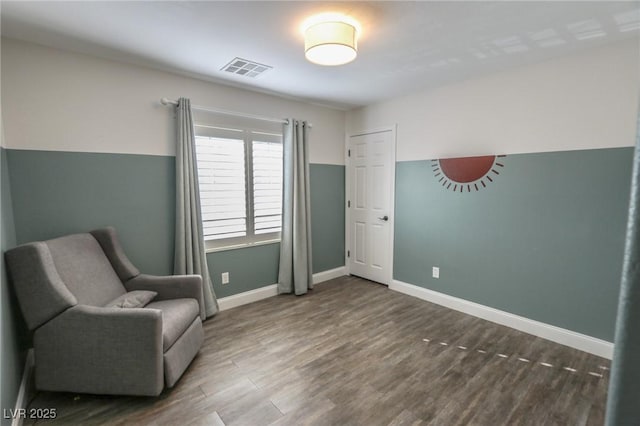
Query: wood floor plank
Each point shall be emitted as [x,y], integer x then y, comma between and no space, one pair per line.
[352,352]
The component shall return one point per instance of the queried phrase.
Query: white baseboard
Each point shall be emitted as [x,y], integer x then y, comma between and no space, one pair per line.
[25,389]
[323,276]
[251,296]
[555,334]
[247,297]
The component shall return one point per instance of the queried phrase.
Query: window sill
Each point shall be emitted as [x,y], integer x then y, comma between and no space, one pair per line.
[241,246]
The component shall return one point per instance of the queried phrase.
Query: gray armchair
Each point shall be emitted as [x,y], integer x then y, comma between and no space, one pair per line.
[95,328]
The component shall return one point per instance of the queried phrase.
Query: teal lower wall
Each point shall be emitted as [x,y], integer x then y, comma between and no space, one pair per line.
[327,216]
[249,268]
[545,240]
[57,193]
[14,333]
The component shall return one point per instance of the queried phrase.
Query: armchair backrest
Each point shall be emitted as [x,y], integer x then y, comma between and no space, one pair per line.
[51,276]
[85,269]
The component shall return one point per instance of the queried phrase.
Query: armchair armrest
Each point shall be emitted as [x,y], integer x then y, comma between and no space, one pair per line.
[101,350]
[170,287]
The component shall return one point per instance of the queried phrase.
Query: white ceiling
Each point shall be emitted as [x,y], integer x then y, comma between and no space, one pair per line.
[404,46]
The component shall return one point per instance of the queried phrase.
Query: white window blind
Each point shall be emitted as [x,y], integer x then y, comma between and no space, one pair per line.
[221,172]
[240,174]
[267,186]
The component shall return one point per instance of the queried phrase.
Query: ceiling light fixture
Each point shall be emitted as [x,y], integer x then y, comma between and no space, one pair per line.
[330,39]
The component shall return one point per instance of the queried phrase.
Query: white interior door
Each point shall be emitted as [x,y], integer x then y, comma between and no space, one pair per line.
[371,159]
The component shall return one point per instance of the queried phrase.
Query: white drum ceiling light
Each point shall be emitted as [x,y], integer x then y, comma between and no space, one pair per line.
[330,39]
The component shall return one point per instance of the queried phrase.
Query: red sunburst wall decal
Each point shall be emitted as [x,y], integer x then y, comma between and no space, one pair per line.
[466,174]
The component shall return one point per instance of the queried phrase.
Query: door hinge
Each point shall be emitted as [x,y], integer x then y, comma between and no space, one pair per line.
[349,153]
[349,203]
[348,253]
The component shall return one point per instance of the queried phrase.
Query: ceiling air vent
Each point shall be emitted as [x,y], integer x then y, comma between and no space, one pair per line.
[245,67]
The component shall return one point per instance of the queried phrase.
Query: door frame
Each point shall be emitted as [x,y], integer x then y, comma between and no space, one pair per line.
[392,196]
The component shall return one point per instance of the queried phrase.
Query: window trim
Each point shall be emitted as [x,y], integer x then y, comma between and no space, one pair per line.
[248,136]
[242,245]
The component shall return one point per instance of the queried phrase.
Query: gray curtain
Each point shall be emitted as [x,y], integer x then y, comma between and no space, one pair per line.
[295,273]
[623,399]
[190,257]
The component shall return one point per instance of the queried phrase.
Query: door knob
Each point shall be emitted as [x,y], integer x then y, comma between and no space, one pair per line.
[384,218]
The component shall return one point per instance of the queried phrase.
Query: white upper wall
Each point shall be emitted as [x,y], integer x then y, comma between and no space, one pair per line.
[61,101]
[587,100]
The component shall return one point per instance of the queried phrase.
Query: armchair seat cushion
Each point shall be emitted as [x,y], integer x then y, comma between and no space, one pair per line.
[177,316]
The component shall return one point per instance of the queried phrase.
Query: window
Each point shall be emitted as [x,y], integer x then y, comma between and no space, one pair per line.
[240,174]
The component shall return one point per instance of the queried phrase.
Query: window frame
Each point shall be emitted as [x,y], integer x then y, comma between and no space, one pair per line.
[248,136]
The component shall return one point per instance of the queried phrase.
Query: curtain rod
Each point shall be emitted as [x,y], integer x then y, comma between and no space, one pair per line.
[167,101]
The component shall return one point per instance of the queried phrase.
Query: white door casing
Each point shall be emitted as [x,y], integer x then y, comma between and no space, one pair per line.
[370,196]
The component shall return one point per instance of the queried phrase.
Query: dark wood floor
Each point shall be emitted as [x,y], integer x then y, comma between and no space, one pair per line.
[354,353]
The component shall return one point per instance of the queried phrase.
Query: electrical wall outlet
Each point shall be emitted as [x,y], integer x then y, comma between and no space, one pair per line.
[435,272]
[225,278]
